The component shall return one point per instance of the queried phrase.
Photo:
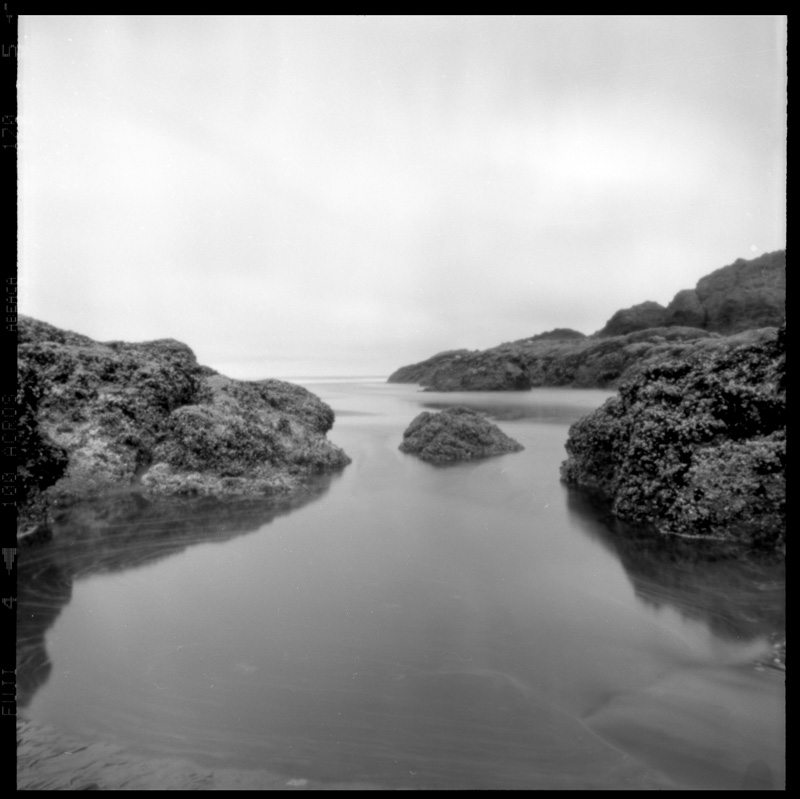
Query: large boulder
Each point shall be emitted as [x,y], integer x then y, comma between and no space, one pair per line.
[694,446]
[101,416]
[455,434]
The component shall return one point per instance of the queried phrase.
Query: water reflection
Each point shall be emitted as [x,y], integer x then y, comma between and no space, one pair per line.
[115,533]
[513,408]
[416,628]
[738,595]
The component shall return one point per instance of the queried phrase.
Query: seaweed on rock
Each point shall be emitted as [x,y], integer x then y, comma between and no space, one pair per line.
[96,417]
[455,434]
[695,447]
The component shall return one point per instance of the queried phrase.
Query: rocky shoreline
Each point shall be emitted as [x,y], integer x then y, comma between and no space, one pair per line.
[694,445]
[587,362]
[95,417]
[736,300]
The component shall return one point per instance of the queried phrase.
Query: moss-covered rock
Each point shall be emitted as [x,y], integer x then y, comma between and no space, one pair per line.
[455,434]
[97,416]
[42,462]
[694,446]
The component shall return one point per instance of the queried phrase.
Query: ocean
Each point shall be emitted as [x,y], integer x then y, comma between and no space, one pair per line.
[403,625]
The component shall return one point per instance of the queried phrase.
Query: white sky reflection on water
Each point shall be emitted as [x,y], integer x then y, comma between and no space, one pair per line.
[476,624]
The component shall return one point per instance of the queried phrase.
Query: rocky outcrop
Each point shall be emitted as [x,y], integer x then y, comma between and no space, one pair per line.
[638,317]
[455,434]
[529,363]
[685,309]
[558,334]
[477,371]
[100,416]
[745,296]
[423,371]
[41,463]
[694,446]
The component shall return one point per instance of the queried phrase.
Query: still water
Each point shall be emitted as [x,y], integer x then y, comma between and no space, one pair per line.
[401,626]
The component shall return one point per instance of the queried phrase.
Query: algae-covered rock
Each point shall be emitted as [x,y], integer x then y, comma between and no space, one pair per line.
[42,462]
[100,416]
[694,446]
[455,434]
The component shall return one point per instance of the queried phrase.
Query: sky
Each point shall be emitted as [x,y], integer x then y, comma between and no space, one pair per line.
[345,195]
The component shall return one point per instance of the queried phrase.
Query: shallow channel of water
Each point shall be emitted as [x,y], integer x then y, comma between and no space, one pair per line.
[401,626]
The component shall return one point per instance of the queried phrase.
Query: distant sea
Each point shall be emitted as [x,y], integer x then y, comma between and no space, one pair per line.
[303,379]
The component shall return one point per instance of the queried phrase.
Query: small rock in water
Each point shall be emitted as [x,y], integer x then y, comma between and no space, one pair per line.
[455,434]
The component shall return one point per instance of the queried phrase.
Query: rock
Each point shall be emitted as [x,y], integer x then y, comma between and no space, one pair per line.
[41,462]
[685,309]
[455,434]
[578,362]
[480,372]
[638,317]
[423,371]
[746,294]
[100,416]
[694,446]
[742,296]
[558,334]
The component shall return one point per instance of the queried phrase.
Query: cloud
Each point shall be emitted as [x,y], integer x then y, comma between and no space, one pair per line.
[334,186]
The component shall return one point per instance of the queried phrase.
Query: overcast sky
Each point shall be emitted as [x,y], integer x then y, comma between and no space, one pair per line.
[346,195]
